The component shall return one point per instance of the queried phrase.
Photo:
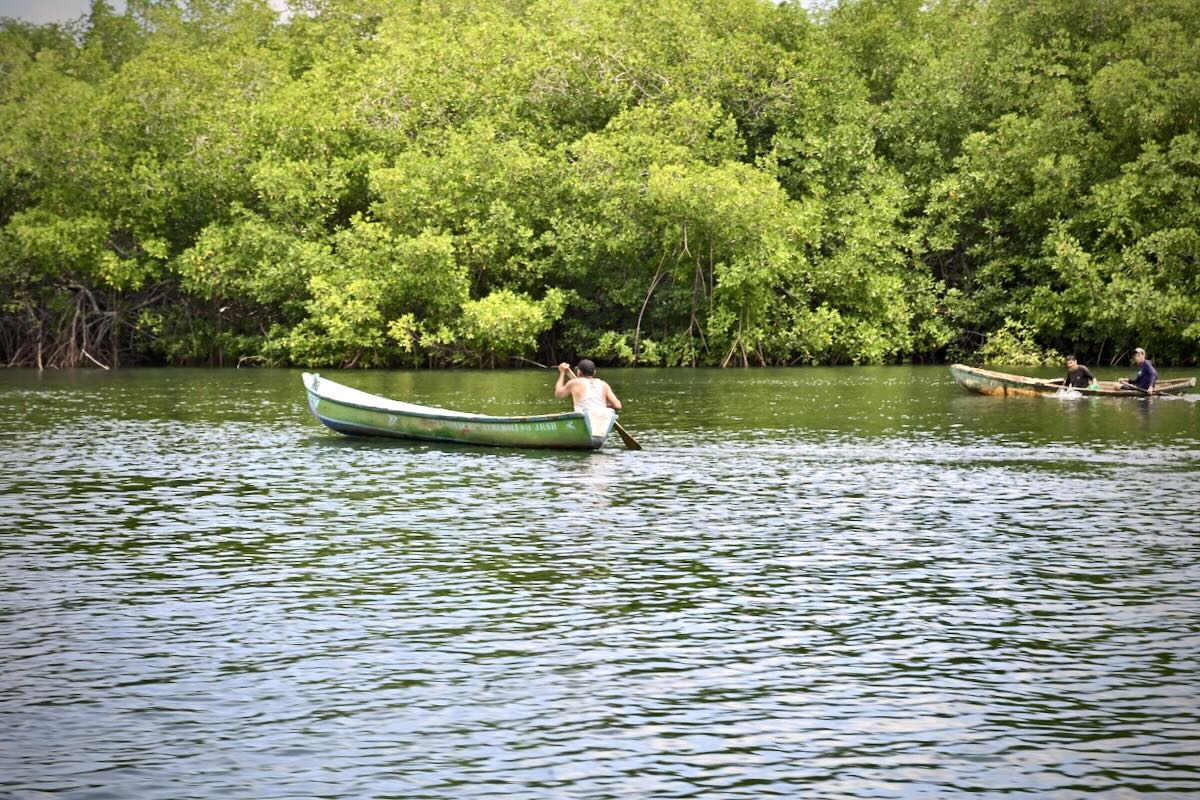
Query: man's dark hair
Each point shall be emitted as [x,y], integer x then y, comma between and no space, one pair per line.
[585,367]
[1072,358]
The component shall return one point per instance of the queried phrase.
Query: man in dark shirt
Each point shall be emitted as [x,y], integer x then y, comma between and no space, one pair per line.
[1146,377]
[1078,375]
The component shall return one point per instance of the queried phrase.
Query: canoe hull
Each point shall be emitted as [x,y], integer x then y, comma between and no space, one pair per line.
[355,413]
[1003,384]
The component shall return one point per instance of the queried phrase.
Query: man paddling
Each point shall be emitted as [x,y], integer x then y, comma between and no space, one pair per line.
[587,391]
[1146,377]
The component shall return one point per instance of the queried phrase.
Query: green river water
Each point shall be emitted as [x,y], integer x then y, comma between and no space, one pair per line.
[811,583]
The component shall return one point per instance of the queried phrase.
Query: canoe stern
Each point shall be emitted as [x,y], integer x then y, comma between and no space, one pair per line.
[982,381]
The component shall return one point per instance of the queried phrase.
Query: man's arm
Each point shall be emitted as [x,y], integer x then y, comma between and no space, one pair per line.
[611,398]
[562,388]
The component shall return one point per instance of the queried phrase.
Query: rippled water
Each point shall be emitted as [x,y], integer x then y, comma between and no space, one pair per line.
[854,583]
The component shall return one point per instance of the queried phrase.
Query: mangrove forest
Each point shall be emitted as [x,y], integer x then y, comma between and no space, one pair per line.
[439,183]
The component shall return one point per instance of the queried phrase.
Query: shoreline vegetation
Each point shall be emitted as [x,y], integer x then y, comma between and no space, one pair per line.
[376,183]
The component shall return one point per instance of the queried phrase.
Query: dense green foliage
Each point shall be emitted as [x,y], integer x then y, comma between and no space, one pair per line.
[414,182]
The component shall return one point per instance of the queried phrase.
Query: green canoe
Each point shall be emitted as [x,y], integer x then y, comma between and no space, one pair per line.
[985,381]
[354,412]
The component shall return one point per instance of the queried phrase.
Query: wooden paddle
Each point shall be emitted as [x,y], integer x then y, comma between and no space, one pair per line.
[1136,388]
[630,442]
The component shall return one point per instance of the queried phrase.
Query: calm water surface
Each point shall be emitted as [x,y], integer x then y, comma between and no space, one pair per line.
[843,583]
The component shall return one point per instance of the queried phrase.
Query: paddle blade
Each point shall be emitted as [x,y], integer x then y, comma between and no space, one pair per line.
[630,442]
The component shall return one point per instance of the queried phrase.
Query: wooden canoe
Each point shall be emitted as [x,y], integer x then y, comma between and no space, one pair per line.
[350,411]
[985,381]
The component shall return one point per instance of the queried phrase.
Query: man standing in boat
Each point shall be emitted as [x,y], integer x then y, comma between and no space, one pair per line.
[1146,377]
[587,391]
[1078,376]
